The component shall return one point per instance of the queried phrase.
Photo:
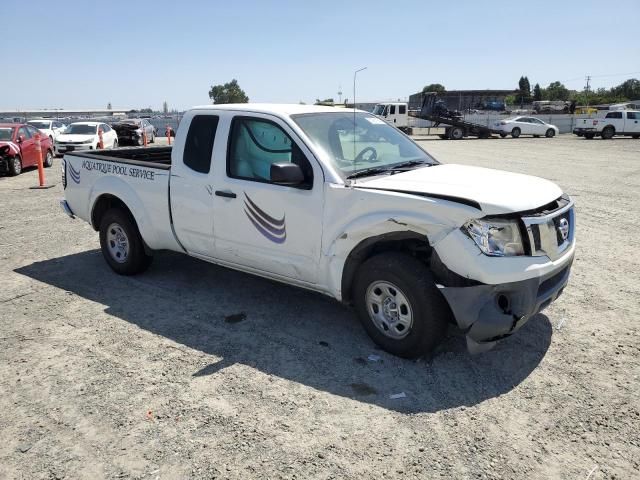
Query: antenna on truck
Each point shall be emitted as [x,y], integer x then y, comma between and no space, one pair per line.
[354,116]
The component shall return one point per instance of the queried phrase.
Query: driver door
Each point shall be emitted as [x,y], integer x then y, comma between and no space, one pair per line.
[27,148]
[258,224]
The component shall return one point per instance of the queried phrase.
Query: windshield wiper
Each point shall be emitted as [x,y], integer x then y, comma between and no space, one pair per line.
[400,167]
[368,171]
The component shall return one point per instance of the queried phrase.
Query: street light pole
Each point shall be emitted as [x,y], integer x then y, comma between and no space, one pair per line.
[354,115]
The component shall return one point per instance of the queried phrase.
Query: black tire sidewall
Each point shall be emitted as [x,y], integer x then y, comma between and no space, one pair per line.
[12,170]
[430,311]
[515,133]
[550,133]
[607,135]
[137,260]
[48,159]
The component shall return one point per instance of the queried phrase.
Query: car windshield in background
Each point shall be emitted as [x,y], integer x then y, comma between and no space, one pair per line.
[372,145]
[5,134]
[80,130]
[42,125]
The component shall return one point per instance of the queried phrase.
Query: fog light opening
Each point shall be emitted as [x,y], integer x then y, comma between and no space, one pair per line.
[503,303]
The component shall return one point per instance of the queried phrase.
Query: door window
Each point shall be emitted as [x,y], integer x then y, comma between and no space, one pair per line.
[33,131]
[614,115]
[105,128]
[392,109]
[199,143]
[633,116]
[24,132]
[255,144]
[402,109]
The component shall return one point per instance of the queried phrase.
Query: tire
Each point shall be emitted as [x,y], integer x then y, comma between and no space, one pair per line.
[515,133]
[15,166]
[121,243]
[589,136]
[416,292]
[608,132]
[635,136]
[140,141]
[48,160]
[456,133]
[503,135]
[550,133]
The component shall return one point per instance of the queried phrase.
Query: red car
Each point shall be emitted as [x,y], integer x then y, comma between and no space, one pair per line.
[18,148]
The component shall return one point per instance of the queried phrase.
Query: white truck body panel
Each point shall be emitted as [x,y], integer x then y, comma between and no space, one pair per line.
[305,237]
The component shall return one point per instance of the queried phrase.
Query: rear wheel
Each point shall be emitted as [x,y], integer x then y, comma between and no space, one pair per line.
[608,132]
[515,133]
[15,166]
[550,133]
[48,159]
[399,305]
[635,136]
[456,133]
[121,243]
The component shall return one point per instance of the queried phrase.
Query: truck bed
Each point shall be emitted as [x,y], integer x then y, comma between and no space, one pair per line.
[155,157]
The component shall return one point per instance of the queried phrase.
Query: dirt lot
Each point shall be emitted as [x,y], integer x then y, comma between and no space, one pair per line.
[195,371]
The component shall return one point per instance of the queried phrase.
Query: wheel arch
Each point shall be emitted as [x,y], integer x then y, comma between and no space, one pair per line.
[407,241]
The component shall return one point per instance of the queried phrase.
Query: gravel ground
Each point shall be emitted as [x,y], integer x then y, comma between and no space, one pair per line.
[195,371]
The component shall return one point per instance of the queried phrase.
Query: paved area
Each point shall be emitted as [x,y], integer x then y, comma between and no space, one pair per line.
[195,371]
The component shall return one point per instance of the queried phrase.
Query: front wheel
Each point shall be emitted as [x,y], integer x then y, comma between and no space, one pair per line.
[15,166]
[121,243]
[399,305]
[515,133]
[48,159]
[456,133]
[550,133]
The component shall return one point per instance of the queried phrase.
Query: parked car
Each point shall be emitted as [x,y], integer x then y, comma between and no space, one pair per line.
[51,128]
[608,124]
[284,192]
[526,126]
[84,136]
[18,148]
[130,131]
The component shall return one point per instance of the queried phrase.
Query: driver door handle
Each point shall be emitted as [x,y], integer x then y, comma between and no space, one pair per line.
[226,194]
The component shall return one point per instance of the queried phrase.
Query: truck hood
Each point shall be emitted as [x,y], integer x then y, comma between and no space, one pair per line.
[496,191]
[75,138]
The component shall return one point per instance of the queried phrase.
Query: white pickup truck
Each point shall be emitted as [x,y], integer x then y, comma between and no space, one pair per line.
[338,202]
[608,123]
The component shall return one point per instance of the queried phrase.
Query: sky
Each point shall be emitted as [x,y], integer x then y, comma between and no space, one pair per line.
[135,54]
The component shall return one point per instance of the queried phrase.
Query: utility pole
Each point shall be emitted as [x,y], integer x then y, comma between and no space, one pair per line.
[586,89]
[339,93]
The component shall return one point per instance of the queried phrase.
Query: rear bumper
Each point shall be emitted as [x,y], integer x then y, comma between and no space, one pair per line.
[62,149]
[488,313]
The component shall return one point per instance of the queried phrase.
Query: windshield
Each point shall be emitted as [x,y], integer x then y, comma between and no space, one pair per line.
[40,124]
[6,133]
[378,110]
[373,144]
[80,129]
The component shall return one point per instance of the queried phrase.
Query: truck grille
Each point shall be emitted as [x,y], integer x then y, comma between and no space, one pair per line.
[551,233]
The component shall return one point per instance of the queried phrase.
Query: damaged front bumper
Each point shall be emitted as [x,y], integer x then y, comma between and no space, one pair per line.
[488,313]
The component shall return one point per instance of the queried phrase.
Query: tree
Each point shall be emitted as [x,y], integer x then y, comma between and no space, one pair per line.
[537,92]
[228,93]
[629,89]
[524,90]
[434,87]
[556,91]
[165,107]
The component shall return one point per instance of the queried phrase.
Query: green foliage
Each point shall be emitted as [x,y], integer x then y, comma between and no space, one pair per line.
[510,100]
[556,91]
[524,90]
[537,92]
[434,87]
[228,93]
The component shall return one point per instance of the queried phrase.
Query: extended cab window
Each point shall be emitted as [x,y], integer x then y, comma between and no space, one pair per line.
[614,115]
[199,144]
[633,116]
[255,144]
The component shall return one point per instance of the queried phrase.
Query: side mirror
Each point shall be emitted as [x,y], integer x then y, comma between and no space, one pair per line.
[286,174]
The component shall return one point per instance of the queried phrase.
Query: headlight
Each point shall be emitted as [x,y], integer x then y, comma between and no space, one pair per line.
[495,237]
